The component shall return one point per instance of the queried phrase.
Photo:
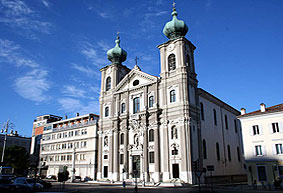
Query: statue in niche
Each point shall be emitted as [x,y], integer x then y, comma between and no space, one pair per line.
[105,141]
[136,140]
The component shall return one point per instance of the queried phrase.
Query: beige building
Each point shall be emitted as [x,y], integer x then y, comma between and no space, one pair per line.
[263,139]
[159,128]
[72,143]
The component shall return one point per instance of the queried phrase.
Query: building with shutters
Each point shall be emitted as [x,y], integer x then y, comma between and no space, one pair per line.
[263,143]
[154,128]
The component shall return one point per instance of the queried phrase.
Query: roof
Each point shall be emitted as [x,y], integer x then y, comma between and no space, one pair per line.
[217,101]
[272,109]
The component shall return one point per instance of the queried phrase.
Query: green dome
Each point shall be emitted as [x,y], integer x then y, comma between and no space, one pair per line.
[175,28]
[117,54]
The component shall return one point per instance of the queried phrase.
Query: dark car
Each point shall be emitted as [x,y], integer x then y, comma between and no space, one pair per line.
[44,183]
[7,186]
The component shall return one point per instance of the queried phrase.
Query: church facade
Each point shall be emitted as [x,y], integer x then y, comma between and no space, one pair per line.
[159,129]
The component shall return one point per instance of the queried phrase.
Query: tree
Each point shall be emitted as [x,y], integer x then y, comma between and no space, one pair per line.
[18,158]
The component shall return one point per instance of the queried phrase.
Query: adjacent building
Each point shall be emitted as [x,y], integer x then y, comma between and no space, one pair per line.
[15,139]
[162,129]
[263,143]
[70,142]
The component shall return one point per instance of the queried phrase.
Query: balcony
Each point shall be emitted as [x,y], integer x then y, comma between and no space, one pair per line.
[74,126]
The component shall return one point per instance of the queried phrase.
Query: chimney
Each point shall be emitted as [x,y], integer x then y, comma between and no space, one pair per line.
[78,114]
[243,111]
[262,107]
[66,116]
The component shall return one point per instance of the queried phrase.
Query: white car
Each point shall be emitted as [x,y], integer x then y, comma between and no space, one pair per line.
[29,182]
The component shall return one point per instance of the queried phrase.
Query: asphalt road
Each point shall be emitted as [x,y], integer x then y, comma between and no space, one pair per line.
[96,188]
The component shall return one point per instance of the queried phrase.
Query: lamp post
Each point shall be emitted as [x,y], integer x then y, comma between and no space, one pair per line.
[73,165]
[5,130]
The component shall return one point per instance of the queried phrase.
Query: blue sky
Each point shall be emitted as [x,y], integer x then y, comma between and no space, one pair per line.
[51,51]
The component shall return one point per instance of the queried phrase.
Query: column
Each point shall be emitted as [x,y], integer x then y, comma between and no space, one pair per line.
[145,155]
[130,167]
[156,155]
[126,154]
[111,156]
[116,156]
[165,156]
[99,162]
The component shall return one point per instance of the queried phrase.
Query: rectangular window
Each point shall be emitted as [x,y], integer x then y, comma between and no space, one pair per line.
[105,157]
[235,125]
[255,130]
[275,127]
[258,150]
[279,149]
[151,157]
[121,158]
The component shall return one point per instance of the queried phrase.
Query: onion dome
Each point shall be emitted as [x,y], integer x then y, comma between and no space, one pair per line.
[117,54]
[175,28]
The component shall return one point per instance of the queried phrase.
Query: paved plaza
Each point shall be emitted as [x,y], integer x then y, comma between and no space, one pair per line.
[110,188]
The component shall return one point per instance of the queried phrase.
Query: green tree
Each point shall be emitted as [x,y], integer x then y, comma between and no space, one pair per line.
[18,158]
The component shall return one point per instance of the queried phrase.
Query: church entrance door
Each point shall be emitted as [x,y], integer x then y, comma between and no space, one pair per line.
[137,165]
[175,168]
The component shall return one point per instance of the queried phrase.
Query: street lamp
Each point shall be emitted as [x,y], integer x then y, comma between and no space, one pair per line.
[5,130]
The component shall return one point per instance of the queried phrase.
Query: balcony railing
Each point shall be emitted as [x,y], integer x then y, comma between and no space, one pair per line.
[76,125]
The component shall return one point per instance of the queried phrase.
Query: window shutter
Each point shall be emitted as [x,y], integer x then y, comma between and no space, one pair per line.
[270,127]
[251,130]
[274,149]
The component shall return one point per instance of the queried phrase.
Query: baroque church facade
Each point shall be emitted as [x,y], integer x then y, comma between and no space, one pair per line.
[163,128]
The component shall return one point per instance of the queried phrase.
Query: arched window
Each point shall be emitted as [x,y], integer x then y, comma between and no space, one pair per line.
[106,113]
[172,96]
[235,125]
[217,151]
[151,135]
[150,101]
[122,138]
[171,62]
[215,117]
[226,122]
[238,153]
[188,61]
[204,149]
[108,83]
[201,111]
[123,108]
[229,153]
[136,105]
[174,132]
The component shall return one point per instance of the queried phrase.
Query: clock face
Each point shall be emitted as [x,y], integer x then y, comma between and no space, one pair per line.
[171,47]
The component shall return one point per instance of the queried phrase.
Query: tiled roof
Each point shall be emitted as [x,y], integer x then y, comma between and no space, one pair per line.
[275,108]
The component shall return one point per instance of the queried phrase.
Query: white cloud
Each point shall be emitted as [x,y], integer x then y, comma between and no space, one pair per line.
[103,45]
[70,105]
[17,14]
[87,70]
[10,52]
[72,91]
[90,52]
[33,86]
[45,3]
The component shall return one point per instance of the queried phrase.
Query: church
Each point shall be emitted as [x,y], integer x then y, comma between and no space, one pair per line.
[165,128]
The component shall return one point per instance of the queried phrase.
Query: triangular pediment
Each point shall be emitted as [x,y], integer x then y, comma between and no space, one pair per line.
[135,75]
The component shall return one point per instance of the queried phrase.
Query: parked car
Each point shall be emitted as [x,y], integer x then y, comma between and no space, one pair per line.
[29,182]
[45,184]
[77,179]
[7,186]
[86,179]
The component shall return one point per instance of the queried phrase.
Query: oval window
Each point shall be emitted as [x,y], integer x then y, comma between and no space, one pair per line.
[136,82]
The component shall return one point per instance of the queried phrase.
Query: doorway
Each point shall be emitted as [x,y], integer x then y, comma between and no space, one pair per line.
[136,166]
[105,171]
[175,168]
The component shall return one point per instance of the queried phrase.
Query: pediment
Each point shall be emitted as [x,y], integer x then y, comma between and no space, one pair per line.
[135,75]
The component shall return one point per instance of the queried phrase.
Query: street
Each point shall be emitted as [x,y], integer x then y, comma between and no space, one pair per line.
[85,188]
